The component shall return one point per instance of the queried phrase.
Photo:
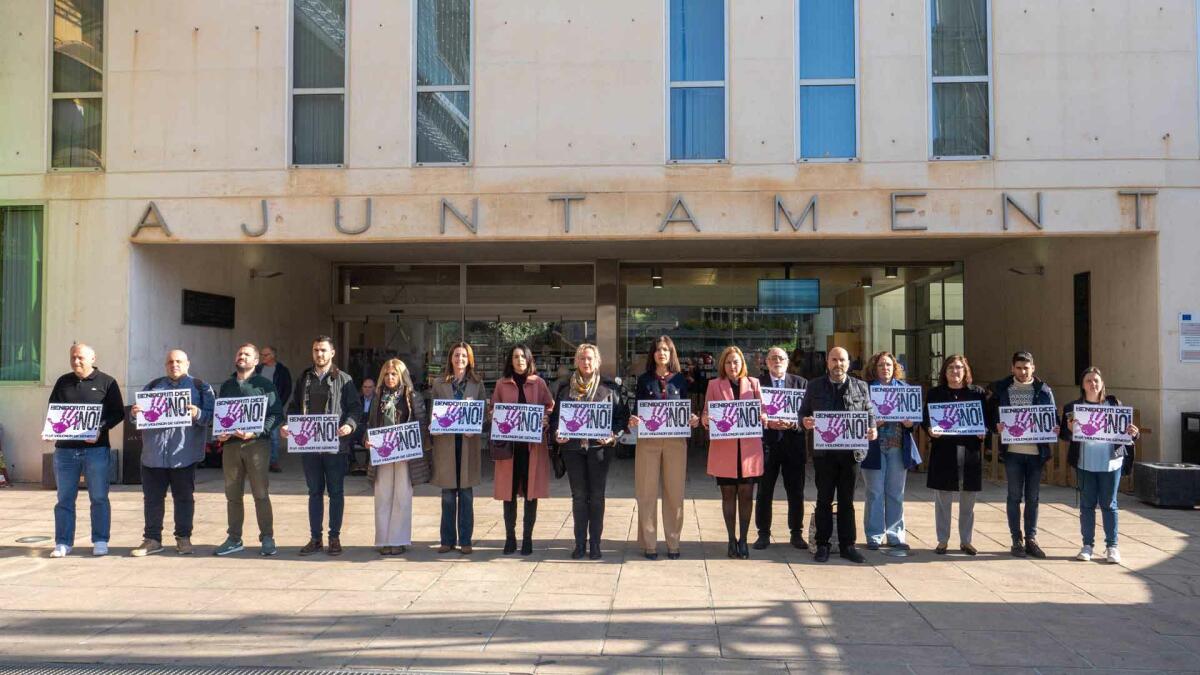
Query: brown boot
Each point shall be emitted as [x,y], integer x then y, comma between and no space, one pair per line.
[183,546]
[311,547]
[335,546]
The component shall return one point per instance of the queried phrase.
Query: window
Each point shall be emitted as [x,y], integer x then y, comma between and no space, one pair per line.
[827,108]
[77,85]
[697,67]
[960,78]
[443,76]
[20,293]
[318,82]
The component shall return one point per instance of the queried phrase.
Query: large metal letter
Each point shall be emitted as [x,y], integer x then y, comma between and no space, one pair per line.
[151,217]
[898,210]
[337,218]
[671,218]
[566,200]
[811,208]
[1006,201]
[471,223]
[260,232]
[1137,203]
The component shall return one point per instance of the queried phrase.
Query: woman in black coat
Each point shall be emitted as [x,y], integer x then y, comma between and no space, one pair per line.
[955,462]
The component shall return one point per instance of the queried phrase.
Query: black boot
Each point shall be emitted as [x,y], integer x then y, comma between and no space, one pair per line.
[595,551]
[510,527]
[527,531]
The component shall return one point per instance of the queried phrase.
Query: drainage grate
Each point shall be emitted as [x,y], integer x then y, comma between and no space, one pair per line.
[105,669]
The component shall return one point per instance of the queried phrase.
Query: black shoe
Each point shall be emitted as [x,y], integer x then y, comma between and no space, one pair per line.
[1018,549]
[733,549]
[510,545]
[743,550]
[822,554]
[850,553]
[526,546]
[595,554]
[762,542]
[900,547]
[672,555]
[872,546]
[650,555]
[798,542]
[1032,548]
[940,550]
[578,552]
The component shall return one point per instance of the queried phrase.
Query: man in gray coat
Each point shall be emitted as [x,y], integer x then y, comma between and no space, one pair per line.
[169,459]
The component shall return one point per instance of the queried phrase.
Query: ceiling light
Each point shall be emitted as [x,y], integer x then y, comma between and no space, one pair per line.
[656,273]
[555,285]
[866,282]
[657,283]
[891,272]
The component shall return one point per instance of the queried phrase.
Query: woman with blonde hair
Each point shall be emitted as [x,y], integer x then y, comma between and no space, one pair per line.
[456,457]
[396,402]
[885,468]
[735,463]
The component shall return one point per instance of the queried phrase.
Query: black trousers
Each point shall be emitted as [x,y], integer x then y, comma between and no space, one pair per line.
[790,463]
[588,475]
[836,472]
[182,483]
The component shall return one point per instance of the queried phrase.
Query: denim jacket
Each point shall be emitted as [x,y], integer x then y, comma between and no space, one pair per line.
[181,446]
[912,457]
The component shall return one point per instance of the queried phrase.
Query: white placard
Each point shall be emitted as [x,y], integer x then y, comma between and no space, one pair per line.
[313,433]
[665,418]
[1102,423]
[897,403]
[1189,337]
[451,416]
[247,414]
[588,420]
[782,405]
[164,408]
[1024,424]
[958,418]
[841,429]
[735,419]
[517,422]
[72,422]
[397,443]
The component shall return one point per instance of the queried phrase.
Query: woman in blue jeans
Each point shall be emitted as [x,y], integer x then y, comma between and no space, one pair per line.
[885,469]
[456,457]
[1098,468]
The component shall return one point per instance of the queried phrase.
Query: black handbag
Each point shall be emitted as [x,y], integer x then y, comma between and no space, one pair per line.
[500,450]
[558,463]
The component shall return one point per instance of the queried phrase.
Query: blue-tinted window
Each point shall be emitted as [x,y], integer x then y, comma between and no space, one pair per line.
[698,123]
[697,73]
[960,108]
[826,39]
[697,40]
[826,91]
[827,122]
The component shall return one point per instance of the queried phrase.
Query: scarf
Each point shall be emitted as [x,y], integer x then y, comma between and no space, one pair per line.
[581,390]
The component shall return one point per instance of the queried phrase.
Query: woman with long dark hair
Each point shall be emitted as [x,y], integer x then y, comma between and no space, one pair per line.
[456,457]
[955,462]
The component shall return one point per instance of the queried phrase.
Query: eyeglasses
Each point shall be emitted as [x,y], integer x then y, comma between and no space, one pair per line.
[777,358]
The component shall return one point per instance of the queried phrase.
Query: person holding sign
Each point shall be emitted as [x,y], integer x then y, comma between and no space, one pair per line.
[783,451]
[836,391]
[396,403]
[1099,464]
[324,389]
[1023,461]
[526,471]
[246,453]
[955,454]
[456,456]
[735,462]
[587,453]
[661,461]
[85,384]
[888,460]
[170,456]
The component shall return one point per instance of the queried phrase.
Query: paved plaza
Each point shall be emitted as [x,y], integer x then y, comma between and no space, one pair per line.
[546,613]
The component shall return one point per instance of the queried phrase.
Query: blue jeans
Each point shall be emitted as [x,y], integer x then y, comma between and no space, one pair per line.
[1024,474]
[325,472]
[884,513]
[1100,488]
[458,505]
[275,448]
[69,464]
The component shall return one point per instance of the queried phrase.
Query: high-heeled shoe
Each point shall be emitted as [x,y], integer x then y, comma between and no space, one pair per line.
[743,550]
[510,545]
[733,549]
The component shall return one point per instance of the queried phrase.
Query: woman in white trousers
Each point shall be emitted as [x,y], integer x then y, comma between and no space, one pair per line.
[396,403]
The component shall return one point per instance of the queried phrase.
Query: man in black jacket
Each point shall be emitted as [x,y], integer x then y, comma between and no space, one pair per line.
[281,377]
[836,470]
[323,389]
[85,384]
[783,447]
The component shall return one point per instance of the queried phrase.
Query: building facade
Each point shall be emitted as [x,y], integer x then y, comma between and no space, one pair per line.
[921,176]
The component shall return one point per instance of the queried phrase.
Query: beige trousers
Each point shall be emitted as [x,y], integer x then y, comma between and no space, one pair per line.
[393,505]
[660,461]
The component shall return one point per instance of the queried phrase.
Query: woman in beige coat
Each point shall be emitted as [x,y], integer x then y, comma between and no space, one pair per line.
[456,457]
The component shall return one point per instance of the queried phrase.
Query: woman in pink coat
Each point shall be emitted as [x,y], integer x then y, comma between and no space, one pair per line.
[736,463]
[527,473]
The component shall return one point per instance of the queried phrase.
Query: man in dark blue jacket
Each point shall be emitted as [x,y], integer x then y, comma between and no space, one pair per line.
[1023,461]
[783,447]
[270,368]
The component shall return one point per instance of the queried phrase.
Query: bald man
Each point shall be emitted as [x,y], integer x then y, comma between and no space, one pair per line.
[85,384]
[836,470]
[169,459]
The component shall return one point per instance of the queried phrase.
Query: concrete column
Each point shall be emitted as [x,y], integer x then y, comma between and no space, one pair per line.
[608,285]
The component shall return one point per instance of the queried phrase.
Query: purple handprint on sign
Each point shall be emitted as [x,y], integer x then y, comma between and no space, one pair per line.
[831,433]
[232,415]
[454,413]
[1020,424]
[657,418]
[66,420]
[156,409]
[510,420]
[890,401]
[573,423]
[307,429]
[775,404]
[1090,427]
[726,423]
[949,418]
[388,446]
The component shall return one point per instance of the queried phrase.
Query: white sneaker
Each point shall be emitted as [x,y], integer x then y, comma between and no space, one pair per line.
[60,551]
[100,548]
[1085,554]
[1112,555]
